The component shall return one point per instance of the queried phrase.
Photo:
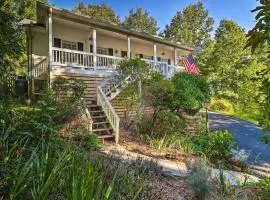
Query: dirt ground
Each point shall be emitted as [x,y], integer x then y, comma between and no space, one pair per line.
[133,144]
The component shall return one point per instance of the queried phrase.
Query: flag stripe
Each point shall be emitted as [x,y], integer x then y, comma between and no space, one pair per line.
[190,65]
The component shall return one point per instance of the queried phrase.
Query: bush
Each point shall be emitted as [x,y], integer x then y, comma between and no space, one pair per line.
[222,105]
[199,179]
[167,123]
[190,92]
[92,142]
[264,188]
[215,144]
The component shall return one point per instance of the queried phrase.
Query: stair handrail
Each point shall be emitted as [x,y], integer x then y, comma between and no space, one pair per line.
[39,68]
[113,84]
[109,111]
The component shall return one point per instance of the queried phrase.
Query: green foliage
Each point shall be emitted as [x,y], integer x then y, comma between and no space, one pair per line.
[26,9]
[222,105]
[70,89]
[97,12]
[191,26]
[134,67]
[10,36]
[158,92]
[167,123]
[258,36]
[184,92]
[264,188]
[190,92]
[141,21]
[223,63]
[92,142]
[215,145]
[199,179]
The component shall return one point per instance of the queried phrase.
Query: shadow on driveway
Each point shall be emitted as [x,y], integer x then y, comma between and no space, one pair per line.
[247,136]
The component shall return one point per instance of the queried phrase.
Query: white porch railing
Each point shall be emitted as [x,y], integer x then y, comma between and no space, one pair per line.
[67,57]
[109,111]
[39,68]
[105,61]
[86,60]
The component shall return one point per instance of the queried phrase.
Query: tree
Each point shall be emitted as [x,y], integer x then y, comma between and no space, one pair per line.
[223,61]
[10,36]
[27,8]
[98,12]
[259,37]
[191,26]
[141,21]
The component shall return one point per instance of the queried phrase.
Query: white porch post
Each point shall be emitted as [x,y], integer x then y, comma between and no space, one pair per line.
[95,48]
[155,52]
[50,53]
[129,47]
[175,57]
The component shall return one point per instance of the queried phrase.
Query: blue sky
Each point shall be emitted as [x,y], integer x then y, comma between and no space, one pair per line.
[164,10]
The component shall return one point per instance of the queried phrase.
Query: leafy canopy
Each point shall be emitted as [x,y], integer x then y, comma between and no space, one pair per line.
[141,21]
[191,26]
[100,12]
[10,36]
[258,38]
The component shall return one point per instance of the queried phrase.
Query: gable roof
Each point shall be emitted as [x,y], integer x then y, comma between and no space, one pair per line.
[42,11]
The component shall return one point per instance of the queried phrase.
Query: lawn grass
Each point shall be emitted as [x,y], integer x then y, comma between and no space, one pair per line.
[250,117]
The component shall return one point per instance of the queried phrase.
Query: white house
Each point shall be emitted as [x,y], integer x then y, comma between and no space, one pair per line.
[61,42]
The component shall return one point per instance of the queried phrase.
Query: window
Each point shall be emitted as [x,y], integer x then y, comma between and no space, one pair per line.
[69,45]
[103,51]
[57,42]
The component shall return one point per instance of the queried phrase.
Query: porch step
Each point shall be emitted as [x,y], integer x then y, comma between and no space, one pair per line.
[102,130]
[105,136]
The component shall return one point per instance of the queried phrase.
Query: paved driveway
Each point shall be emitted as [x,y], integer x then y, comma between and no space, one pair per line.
[247,136]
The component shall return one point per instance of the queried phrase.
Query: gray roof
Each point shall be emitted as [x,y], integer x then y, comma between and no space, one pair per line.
[42,11]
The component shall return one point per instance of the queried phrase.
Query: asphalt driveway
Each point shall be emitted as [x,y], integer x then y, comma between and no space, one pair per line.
[247,136]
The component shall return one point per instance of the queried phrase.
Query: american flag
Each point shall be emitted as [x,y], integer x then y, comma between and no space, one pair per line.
[190,65]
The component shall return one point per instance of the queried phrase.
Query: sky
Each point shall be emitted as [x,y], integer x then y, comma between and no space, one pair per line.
[164,10]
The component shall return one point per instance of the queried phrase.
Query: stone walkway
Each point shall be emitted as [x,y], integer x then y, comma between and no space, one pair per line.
[174,168]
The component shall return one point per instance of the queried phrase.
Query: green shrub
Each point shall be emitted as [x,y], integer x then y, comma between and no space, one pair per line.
[92,142]
[200,179]
[167,123]
[264,188]
[222,105]
[190,92]
[215,144]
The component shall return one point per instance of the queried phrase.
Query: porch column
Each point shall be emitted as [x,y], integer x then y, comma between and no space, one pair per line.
[155,52]
[95,48]
[50,53]
[175,57]
[129,47]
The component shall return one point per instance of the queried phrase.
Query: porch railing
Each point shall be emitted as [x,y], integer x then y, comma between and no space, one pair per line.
[40,68]
[86,60]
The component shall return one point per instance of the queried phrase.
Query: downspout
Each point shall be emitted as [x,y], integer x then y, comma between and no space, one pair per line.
[31,59]
[50,46]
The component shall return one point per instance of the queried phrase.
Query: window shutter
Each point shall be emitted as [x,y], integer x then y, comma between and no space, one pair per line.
[110,51]
[80,46]
[57,42]
[91,48]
